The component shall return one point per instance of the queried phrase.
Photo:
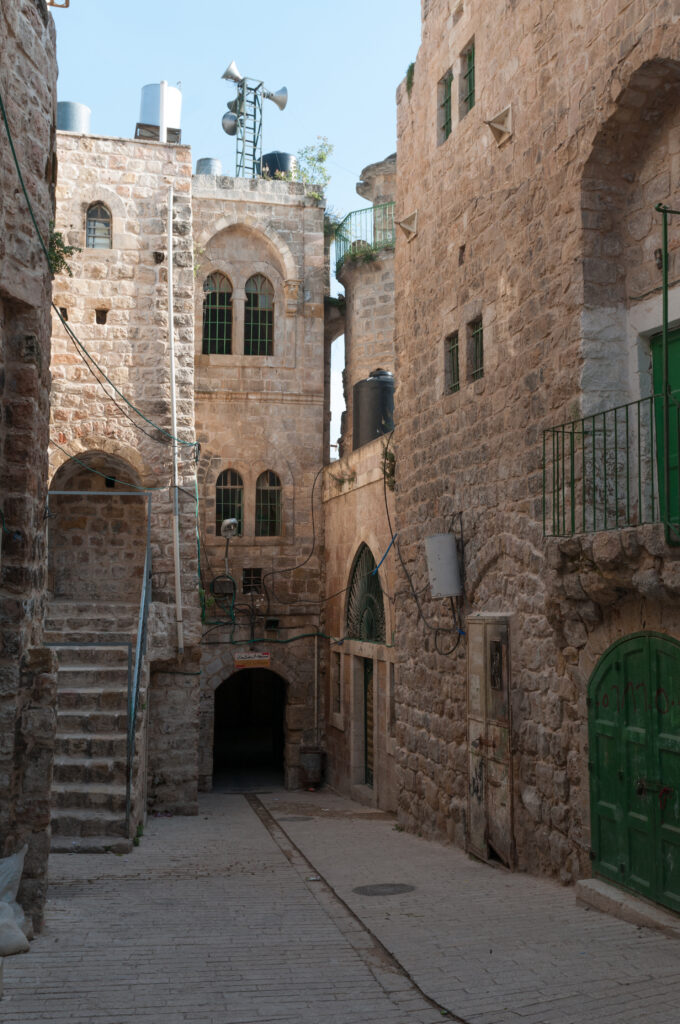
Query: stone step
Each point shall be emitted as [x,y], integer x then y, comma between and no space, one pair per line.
[73,770]
[81,677]
[90,844]
[91,745]
[92,722]
[73,822]
[89,796]
[109,655]
[91,698]
[90,616]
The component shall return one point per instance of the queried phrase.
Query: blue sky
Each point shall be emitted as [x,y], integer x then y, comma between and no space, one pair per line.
[340,62]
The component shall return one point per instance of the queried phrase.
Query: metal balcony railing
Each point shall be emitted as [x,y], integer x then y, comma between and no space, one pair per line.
[363,233]
[609,470]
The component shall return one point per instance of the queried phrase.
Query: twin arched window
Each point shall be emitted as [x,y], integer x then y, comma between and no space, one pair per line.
[258,326]
[98,222]
[229,502]
[217,315]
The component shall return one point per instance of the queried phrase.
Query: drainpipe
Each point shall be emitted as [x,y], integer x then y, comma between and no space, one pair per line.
[173,430]
[163,113]
[316,690]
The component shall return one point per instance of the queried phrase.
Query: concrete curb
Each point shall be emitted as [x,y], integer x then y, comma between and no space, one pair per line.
[593,892]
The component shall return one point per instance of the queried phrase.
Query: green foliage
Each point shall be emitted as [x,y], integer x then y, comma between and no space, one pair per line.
[331,222]
[389,465]
[59,252]
[361,252]
[336,301]
[311,167]
[410,72]
[138,834]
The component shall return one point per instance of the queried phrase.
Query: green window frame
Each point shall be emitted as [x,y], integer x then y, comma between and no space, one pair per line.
[476,336]
[98,227]
[268,505]
[452,363]
[467,79]
[365,614]
[445,118]
[217,315]
[259,321]
[251,580]
[229,500]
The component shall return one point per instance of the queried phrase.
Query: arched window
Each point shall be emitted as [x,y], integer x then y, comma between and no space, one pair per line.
[229,499]
[365,605]
[98,227]
[217,315]
[268,505]
[259,327]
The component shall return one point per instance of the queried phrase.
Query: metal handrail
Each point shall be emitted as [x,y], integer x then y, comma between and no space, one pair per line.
[364,232]
[140,651]
[607,471]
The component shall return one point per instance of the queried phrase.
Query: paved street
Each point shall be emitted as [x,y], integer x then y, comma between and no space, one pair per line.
[247,914]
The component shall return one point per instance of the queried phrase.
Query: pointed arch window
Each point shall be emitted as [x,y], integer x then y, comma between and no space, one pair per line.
[268,505]
[229,499]
[259,324]
[217,315]
[98,223]
[365,604]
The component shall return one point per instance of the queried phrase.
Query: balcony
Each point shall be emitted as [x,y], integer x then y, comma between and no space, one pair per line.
[612,470]
[363,234]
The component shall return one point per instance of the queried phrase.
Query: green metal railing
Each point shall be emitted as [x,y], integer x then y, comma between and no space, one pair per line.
[363,233]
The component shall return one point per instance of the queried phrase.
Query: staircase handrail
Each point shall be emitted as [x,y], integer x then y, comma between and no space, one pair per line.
[135,677]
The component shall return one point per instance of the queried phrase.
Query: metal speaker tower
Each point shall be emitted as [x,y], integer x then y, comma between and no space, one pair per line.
[244,119]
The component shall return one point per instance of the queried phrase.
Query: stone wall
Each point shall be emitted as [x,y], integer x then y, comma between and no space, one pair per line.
[256,413]
[548,236]
[28,73]
[117,305]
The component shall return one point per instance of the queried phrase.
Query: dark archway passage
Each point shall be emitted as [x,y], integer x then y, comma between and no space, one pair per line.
[248,745]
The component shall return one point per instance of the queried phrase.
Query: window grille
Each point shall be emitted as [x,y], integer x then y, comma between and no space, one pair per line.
[98,227]
[476,349]
[467,79]
[217,315]
[252,581]
[229,500]
[365,605]
[445,124]
[452,373]
[259,325]
[268,505]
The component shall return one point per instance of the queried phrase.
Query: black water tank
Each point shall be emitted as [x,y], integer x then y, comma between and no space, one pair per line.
[373,407]
[278,163]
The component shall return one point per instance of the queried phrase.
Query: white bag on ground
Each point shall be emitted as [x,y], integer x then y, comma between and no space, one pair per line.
[10,876]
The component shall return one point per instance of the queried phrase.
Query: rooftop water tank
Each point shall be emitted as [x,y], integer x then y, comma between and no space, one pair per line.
[373,407]
[208,165]
[73,117]
[150,113]
[278,164]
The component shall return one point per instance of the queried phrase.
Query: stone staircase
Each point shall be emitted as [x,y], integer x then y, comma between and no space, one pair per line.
[89,784]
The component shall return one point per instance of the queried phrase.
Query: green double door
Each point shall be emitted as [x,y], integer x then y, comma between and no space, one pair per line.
[673,442]
[634,734]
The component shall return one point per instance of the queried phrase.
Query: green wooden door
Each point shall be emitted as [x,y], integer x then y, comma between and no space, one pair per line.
[634,733]
[673,422]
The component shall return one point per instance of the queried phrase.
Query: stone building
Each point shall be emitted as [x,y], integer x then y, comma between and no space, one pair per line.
[112,531]
[28,74]
[360,609]
[533,144]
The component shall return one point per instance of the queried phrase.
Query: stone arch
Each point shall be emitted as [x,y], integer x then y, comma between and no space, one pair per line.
[255,227]
[97,530]
[249,725]
[365,612]
[113,447]
[627,171]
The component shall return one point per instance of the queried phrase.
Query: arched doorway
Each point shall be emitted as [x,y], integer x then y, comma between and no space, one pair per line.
[634,735]
[97,530]
[248,744]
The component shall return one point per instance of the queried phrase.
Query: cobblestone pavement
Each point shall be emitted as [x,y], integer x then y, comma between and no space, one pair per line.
[494,947]
[228,919]
[208,921]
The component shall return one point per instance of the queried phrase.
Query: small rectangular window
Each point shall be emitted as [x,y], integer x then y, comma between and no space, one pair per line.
[444,95]
[476,349]
[452,368]
[252,581]
[467,79]
[101,315]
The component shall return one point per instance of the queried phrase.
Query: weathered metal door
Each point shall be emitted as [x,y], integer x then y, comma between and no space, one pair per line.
[490,820]
[368,721]
[673,422]
[634,735]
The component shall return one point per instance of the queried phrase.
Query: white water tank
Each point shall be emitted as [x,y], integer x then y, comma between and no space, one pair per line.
[150,107]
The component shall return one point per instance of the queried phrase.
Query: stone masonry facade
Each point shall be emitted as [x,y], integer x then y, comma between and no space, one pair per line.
[28,74]
[543,231]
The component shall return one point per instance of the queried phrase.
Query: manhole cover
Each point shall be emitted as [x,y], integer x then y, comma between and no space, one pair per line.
[385,889]
[299,817]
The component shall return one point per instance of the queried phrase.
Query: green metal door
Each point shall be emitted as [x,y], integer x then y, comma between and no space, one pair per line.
[673,422]
[634,734]
[368,721]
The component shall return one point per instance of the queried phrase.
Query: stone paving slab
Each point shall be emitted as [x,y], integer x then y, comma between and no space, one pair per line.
[207,922]
[491,946]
